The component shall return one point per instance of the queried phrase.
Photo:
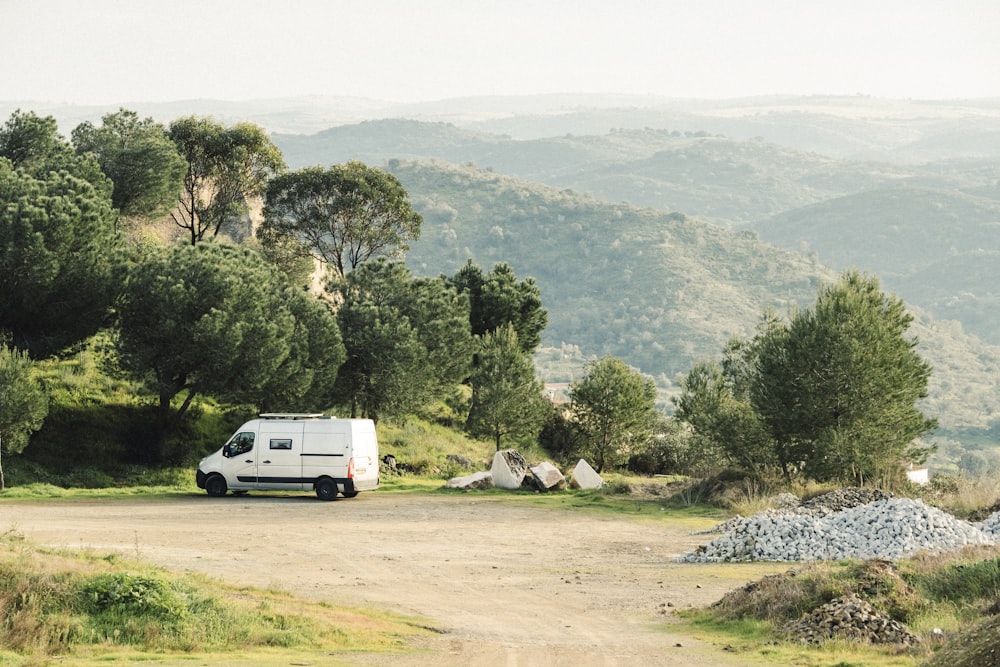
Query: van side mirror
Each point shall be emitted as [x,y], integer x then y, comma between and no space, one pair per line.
[227,451]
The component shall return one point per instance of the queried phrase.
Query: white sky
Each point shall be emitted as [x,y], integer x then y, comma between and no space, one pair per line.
[121,51]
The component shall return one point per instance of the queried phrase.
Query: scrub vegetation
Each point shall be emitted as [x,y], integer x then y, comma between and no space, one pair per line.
[94,608]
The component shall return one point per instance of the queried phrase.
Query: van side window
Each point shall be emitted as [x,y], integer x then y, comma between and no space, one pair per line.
[281,444]
[240,444]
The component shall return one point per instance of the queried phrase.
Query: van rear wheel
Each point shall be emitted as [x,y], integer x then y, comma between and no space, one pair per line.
[326,489]
[215,486]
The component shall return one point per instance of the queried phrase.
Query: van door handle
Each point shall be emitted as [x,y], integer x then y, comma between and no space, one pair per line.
[266,461]
[248,461]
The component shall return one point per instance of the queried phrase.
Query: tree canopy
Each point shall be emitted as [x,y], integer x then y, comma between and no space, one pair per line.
[59,259]
[24,403]
[838,387]
[832,393]
[34,146]
[715,402]
[614,408]
[507,398]
[226,167]
[139,158]
[497,298]
[407,341]
[342,216]
[215,319]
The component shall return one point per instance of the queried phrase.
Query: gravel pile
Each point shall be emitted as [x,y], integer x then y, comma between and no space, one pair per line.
[849,617]
[888,528]
[842,499]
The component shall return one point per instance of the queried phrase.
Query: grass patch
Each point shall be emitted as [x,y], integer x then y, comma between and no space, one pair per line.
[949,600]
[91,606]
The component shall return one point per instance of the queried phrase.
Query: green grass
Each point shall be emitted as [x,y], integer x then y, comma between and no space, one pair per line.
[88,608]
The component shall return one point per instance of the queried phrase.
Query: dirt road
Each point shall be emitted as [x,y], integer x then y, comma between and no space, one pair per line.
[505,583]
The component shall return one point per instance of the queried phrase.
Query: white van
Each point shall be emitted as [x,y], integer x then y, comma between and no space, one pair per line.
[295,452]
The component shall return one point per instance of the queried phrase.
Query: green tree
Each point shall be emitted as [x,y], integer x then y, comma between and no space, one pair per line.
[226,168]
[342,216]
[139,158]
[407,341]
[497,298]
[59,259]
[34,146]
[715,403]
[614,408]
[838,387]
[23,402]
[507,398]
[306,378]
[205,319]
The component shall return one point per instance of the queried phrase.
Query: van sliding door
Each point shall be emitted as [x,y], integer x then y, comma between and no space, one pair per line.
[279,462]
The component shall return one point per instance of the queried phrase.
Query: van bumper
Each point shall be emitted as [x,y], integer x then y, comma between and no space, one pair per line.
[199,479]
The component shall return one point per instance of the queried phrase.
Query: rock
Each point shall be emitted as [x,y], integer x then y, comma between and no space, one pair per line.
[547,477]
[508,469]
[478,480]
[459,460]
[850,617]
[389,465]
[888,529]
[785,501]
[585,477]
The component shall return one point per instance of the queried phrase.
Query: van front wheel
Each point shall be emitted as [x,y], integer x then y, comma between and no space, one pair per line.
[326,489]
[215,486]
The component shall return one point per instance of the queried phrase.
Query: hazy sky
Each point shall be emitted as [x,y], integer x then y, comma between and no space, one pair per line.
[119,51]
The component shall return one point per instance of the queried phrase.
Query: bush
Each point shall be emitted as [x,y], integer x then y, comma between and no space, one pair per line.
[131,595]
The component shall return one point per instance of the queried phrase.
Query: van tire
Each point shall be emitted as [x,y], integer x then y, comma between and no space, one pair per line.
[326,489]
[215,486]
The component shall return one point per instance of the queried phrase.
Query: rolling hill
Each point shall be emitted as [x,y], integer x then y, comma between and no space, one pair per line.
[658,290]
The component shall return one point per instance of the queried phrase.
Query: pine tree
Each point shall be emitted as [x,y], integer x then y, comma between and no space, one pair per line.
[507,398]
[838,388]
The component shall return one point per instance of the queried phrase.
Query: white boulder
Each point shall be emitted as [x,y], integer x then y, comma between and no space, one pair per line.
[478,480]
[585,477]
[508,469]
[547,477]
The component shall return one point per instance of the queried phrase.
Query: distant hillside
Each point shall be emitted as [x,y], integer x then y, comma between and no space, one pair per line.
[658,290]
[936,248]
[726,180]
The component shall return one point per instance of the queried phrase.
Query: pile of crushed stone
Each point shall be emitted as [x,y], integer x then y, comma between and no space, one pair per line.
[851,524]
[852,618]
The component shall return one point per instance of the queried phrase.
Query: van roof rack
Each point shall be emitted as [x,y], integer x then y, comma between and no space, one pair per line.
[290,415]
